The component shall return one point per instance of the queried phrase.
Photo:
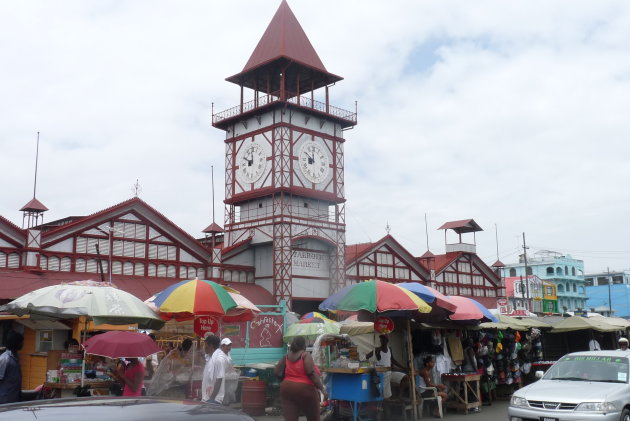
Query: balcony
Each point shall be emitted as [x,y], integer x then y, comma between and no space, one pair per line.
[345,117]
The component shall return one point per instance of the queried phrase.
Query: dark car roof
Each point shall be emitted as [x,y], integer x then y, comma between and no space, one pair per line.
[118,408]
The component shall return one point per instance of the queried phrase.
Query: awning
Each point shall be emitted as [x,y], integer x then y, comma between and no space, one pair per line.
[43,324]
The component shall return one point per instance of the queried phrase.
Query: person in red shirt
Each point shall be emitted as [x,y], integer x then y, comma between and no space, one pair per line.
[301,384]
[132,377]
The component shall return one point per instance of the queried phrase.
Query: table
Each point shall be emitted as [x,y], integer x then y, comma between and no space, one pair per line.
[353,386]
[66,390]
[465,389]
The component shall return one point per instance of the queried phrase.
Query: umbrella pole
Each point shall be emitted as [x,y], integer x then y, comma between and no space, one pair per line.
[414,398]
[83,360]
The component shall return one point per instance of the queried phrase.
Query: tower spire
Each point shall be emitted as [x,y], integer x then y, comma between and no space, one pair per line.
[33,211]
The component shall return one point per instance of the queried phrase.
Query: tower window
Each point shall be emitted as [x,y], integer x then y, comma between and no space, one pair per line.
[305,205]
[260,206]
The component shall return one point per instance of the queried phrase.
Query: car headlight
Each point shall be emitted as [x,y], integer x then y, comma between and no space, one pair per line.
[519,402]
[597,407]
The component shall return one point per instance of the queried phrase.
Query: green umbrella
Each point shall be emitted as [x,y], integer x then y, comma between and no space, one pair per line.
[311,330]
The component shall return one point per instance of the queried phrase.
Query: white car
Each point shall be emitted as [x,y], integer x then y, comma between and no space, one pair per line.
[580,386]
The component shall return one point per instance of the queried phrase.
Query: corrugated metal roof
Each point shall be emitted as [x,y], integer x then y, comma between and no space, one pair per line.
[34,205]
[43,324]
[462,226]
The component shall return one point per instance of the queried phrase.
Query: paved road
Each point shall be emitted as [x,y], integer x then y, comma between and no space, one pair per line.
[495,412]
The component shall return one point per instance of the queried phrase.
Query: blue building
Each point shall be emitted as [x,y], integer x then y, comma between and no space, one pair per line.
[608,291]
[565,272]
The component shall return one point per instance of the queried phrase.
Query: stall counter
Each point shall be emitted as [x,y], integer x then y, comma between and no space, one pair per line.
[66,390]
[354,385]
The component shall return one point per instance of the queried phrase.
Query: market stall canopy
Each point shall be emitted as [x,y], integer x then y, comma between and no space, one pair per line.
[530,322]
[120,344]
[375,297]
[615,321]
[95,300]
[504,322]
[470,310]
[580,323]
[357,328]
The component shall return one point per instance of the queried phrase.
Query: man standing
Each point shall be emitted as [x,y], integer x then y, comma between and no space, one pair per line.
[220,367]
[10,373]
[212,344]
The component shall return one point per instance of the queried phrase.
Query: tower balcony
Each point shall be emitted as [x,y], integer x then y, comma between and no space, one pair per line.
[224,118]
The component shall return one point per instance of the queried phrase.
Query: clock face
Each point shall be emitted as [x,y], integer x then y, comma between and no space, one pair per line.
[252,162]
[313,162]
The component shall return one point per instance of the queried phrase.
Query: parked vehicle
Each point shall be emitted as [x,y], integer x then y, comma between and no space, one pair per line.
[108,408]
[581,386]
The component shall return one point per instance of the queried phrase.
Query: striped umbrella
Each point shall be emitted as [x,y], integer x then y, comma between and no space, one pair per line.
[470,310]
[187,299]
[315,315]
[375,296]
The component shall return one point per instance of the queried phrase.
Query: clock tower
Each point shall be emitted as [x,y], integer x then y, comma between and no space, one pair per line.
[284,180]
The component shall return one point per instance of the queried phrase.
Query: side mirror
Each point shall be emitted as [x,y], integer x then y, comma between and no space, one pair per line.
[539,374]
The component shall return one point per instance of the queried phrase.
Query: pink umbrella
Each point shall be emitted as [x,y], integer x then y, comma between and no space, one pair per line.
[470,310]
[121,344]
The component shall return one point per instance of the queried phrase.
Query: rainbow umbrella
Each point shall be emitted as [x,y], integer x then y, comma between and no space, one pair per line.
[440,304]
[187,299]
[470,310]
[314,315]
[311,329]
[375,297]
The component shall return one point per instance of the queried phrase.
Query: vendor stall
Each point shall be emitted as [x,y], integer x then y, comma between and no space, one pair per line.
[346,378]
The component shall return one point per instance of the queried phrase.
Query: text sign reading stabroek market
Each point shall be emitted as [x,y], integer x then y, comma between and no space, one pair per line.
[310,263]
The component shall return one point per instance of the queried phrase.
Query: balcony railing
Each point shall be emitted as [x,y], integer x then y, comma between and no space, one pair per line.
[301,101]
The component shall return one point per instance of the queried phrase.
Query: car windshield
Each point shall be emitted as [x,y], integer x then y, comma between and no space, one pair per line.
[590,368]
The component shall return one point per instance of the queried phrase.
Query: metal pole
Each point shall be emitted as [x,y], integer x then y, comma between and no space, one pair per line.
[414,400]
[111,228]
[609,281]
[529,306]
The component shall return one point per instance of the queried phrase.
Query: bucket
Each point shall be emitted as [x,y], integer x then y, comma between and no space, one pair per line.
[254,397]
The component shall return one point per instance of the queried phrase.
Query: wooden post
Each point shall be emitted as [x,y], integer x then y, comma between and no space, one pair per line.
[412,372]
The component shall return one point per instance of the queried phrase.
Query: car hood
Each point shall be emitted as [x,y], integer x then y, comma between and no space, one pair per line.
[571,391]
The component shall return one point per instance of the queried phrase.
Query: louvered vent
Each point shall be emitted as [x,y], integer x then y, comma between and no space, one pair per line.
[91,266]
[139,269]
[43,261]
[66,264]
[171,271]
[152,270]
[80,265]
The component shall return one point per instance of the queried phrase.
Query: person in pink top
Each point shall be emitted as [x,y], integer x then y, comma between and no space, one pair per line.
[132,377]
[301,382]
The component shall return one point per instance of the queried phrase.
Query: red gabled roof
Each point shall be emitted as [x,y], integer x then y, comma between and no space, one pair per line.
[461,226]
[498,264]
[34,205]
[355,250]
[284,37]
[225,250]
[427,255]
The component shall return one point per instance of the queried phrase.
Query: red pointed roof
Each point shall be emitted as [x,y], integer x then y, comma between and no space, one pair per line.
[34,205]
[427,255]
[284,37]
[284,48]
[498,264]
[213,228]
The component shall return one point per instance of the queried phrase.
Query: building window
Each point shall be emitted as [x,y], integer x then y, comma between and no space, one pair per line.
[512,272]
[529,271]
[574,288]
[559,271]
[549,271]
[560,288]
[566,270]
[573,271]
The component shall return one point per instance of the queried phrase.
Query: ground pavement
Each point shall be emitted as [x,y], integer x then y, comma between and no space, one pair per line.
[495,412]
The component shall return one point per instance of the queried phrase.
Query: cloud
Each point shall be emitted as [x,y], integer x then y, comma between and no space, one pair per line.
[512,114]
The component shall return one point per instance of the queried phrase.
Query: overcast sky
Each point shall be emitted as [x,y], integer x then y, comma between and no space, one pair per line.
[511,113]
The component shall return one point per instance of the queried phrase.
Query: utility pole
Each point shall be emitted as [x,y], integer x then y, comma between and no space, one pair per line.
[609,281]
[529,304]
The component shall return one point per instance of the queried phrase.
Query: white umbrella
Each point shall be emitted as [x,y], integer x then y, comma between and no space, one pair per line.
[95,300]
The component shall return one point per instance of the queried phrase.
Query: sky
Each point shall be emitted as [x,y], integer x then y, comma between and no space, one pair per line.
[515,114]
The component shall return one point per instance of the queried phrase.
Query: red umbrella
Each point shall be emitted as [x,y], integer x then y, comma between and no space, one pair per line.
[121,344]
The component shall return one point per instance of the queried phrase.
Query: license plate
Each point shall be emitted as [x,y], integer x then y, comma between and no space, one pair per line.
[548,419]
